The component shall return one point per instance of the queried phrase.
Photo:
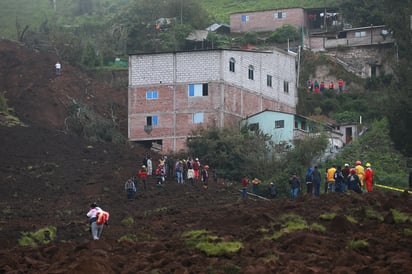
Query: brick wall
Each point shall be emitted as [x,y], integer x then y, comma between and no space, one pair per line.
[265,20]
[231,95]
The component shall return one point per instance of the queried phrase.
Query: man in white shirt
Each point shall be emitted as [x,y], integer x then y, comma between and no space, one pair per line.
[58,68]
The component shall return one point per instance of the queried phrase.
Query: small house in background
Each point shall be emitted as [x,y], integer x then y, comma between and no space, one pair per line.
[284,128]
[219,28]
[197,40]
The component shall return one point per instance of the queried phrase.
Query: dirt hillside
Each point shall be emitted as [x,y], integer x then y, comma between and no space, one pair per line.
[48,178]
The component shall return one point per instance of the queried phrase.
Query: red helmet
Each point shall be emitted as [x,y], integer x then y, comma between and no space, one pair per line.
[352,171]
[206,167]
[358,162]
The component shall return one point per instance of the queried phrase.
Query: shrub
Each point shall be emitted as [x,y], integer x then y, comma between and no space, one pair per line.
[42,236]
[209,244]
[128,221]
[400,217]
[357,244]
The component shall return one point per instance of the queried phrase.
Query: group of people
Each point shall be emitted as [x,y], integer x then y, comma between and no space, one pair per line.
[338,179]
[189,170]
[321,87]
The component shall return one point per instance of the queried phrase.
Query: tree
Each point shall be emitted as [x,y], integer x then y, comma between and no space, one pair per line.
[139,19]
[399,106]
[362,13]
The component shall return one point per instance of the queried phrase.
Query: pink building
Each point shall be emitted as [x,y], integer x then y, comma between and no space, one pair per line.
[172,93]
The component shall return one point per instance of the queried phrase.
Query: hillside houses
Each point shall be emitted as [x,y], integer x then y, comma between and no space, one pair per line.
[172,93]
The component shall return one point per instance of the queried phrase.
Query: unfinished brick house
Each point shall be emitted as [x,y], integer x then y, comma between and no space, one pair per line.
[266,20]
[172,93]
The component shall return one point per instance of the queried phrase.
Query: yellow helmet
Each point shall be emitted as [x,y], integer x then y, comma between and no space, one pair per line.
[368,164]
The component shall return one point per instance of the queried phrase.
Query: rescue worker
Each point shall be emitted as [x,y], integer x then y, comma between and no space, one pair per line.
[330,176]
[142,173]
[255,185]
[368,177]
[96,224]
[353,181]
[360,171]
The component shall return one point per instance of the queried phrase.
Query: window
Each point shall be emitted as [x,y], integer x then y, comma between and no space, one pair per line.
[286,86]
[360,34]
[303,125]
[280,124]
[269,80]
[198,90]
[279,15]
[151,120]
[198,118]
[245,18]
[296,124]
[232,65]
[152,95]
[253,127]
[250,72]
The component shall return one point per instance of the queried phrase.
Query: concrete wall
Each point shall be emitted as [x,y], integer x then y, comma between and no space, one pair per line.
[265,20]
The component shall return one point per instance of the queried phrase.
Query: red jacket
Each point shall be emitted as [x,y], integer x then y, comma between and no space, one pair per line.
[142,173]
[368,175]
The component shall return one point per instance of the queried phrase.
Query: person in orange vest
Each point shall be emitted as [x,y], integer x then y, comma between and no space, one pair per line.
[368,177]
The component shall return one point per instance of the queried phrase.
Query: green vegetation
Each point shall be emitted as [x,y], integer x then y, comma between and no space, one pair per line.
[209,244]
[42,236]
[6,114]
[327,216]
[128,221]
[289,223]
[85,122]
[317,227]
[373,214]
[407,231]
[351,219]
[400,217]
[358,244]
[130,238]
[240,152]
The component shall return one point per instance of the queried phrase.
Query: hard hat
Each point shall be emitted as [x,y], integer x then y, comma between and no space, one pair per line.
[352,171]
[358,162]
[206,167]
[346,164]
[197,159]
[143,166]
[368,164]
